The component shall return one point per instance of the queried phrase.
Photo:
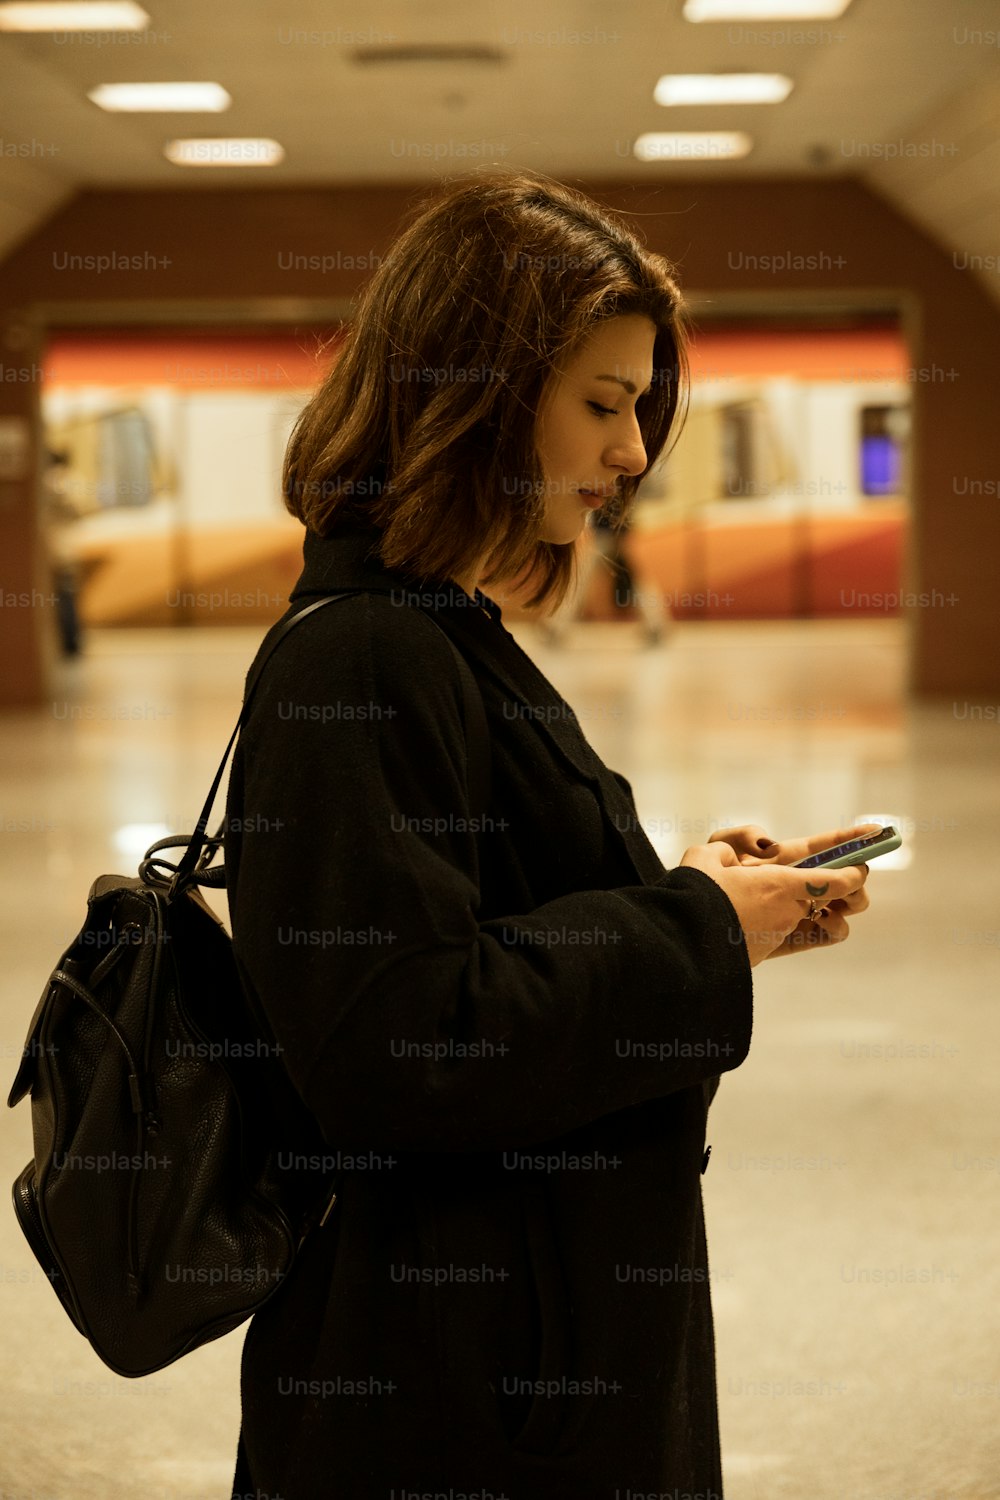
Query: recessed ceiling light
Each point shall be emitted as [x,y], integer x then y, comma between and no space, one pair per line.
[221,151]
[161,96]
[692,145]
[40,15]
[764,10]
[722,88]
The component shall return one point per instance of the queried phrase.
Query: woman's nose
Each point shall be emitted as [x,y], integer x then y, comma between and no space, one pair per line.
[629,455]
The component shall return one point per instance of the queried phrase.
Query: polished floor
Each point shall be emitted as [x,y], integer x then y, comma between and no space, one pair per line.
[853,1195]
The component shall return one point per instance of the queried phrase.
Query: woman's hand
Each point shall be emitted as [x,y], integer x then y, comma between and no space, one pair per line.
[753,845]
[773,901]
[751,842]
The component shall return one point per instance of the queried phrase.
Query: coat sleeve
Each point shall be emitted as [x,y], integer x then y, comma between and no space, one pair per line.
[405,1021]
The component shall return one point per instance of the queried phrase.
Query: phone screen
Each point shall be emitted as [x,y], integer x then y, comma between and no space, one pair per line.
[850,846]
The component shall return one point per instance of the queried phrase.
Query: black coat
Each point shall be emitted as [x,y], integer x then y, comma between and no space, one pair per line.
[509,1030]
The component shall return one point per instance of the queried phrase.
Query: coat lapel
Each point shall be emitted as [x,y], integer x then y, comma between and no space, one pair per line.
[347,560]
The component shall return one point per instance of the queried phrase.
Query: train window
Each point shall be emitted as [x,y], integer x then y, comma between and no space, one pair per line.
[884,432]
[751,458]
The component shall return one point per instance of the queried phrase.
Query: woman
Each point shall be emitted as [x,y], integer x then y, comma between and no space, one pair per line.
[506,1022]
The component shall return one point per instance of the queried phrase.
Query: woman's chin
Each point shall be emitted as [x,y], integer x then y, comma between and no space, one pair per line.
[567,532]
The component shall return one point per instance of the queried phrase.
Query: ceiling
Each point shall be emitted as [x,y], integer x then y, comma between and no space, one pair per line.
[904,94]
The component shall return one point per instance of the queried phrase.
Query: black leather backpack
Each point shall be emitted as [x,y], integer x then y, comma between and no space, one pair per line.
[153,1202]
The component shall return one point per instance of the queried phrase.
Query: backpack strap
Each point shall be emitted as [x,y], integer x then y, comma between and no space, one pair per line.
[201,850]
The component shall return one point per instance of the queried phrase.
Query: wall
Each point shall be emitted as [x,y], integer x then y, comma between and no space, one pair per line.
[780,238]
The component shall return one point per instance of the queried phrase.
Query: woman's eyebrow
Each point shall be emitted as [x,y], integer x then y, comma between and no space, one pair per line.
[626,383]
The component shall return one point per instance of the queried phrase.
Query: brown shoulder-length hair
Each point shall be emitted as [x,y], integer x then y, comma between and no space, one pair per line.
[425,425]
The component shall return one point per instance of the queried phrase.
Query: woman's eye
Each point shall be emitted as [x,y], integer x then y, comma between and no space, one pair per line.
[605,411]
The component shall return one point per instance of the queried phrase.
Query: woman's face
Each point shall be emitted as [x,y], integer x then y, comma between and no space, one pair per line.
[586,432]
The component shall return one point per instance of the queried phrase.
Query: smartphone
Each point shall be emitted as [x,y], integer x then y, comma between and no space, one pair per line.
[853,851]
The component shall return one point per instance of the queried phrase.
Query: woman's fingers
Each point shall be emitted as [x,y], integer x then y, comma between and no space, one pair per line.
[753,843]
[852,904]
[817,934]
[748,839]
[818,888]
[790,851]
[719,854]
[832,926]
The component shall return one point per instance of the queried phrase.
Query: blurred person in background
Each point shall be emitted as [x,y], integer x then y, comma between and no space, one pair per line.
[59,516]
[603,539]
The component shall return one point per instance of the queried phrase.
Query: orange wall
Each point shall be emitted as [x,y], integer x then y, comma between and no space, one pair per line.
[188,360]
[835,354]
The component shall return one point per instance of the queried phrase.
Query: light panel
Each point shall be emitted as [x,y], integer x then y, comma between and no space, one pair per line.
[722,88]
[692,145]
[203,97]
[764,10]
[42,15]
[222,151]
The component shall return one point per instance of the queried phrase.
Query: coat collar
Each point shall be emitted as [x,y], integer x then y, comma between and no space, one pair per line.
[347,559]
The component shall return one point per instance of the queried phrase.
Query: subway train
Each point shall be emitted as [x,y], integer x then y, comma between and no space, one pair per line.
[784,497]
